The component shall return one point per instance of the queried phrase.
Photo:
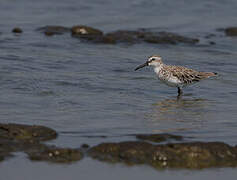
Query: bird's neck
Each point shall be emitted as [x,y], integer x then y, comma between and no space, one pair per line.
[157,69]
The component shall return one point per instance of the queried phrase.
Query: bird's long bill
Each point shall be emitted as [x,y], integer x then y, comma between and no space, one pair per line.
[141,66]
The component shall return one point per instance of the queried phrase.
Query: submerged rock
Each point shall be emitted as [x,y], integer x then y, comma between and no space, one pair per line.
[5,150]
[90,34]
[17,30]
[231,31]
[158,137]
[55,154]
[53,30]
[94,35]
[18,137]
[194,155]
[144,35]
[85,146]
[131,37]
[169,38]
[125,36]
[82,30]
[26,132]
[184,155]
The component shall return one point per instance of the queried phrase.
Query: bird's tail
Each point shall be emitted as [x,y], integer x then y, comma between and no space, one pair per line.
[208,74]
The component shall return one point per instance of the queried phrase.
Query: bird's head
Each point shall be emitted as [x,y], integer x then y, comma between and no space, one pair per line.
[154,60]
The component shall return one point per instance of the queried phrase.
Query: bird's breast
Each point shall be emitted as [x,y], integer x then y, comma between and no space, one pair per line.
[166,77]
[169,80]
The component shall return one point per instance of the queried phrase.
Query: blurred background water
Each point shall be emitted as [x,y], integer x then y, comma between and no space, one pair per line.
[88,91]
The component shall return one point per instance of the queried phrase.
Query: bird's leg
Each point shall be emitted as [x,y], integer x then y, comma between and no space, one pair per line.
[180,92]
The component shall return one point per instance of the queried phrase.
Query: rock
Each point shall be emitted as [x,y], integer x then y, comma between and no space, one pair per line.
[22,132]
[231,31]
[158,137]
[131,37]
[90,34]
[212,43]
[55,154]
[125,36]
[50,33]
[194,155]
[5,150]
[18,137]
[169,38]
[150,37]
[210,35]
[97,39]
[85,146]
[84,31]
[106,40]
[144,35]
[17,30]
[53,30]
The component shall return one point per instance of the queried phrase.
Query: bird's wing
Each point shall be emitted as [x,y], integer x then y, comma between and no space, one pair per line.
[185,75]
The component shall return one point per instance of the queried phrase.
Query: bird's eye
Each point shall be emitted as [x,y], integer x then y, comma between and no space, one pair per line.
[152,59]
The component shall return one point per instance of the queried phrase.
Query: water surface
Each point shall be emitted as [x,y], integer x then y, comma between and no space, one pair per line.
[90,91]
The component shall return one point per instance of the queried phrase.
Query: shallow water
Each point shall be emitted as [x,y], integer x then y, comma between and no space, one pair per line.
[90,91]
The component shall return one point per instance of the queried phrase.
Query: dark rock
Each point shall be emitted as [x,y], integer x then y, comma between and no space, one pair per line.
[169,38]
[50,33]
[212,43]
[85,146]
[184,155]
[90,34]
[53,30]
[16,137]
[130,37]
[125,36]
[231,31]
[54,154]
[158,137]
[97,39]
[128,152]
[104,39]
[149,37]
[209,36]
[5,150]
[17,30]
[22,132]
[85,31]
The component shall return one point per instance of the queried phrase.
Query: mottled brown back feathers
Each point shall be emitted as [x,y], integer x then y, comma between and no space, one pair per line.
[186,75]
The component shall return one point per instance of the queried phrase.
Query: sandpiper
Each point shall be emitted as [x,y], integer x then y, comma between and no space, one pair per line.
[175,76]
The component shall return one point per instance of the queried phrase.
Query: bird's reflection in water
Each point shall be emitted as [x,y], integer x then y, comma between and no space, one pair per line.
[179,113]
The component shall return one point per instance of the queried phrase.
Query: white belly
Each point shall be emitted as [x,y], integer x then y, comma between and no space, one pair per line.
[170,81]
